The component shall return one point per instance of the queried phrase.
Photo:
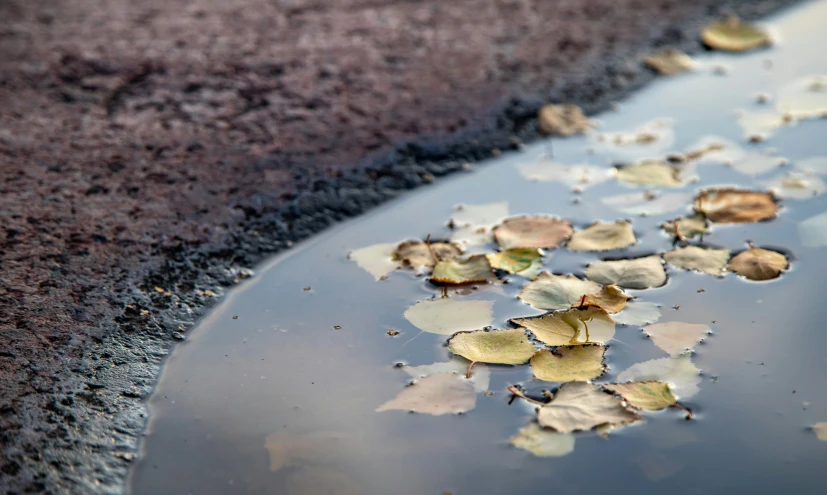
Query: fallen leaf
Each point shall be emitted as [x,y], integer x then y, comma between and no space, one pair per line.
[378,259]
[320,480]
[804,98]
[473,223]
[562,120]
[649,396]
[657,466]
[759,124]
[572,327]
[579,176]
[601,236]
[650,173]
[522,261]
[480,378]
[688,227]
[495,347]
[715,149]
[736,206]
[795,185]
[647,141]
[820,430]
[704,260]
[583,406]
[532,232]
[813,231]
[759,264]
[734,35]
[554,292]
[448,316]
[757,163]
[569,363]
[442,393]
[680,373]
[610,298]
[646,203]
[542,442]
[475,269]
[812,165]
[669,62]
[417,255]
[638,313]
[290,450]
[675,337]
[638,273]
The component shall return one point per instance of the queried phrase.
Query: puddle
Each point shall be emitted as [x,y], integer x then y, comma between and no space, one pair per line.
[276,391]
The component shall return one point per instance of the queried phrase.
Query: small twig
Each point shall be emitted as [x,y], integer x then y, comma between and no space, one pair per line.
[582,301]
[678,233]
[685,409]
[428,243]
[519,393]
[468,371]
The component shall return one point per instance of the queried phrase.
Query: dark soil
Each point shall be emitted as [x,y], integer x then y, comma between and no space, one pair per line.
[151,152]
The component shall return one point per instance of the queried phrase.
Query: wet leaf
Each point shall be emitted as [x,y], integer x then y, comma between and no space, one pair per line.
[443,393]
[638,313]
[759,125]
[583,406]
[542,442]
[650,173]
[796,185]
[759,264]
[320,480]
[757,163]
[649,396]
[572,327]
[417,255]
[473,223]
[638,273]
[532,232]
[813,231]
[715,149]
[495,347]
[289,450]
[610,298]
[647,203]
[569,363]
[688,227]
[675,337]
[680,373]
[579,176]
[475,269]
[601,236]
[647,141]
[704,260]
[804,98]
[669,62]
[820,430]
[378,259]
[813,165]
[480,378]
[734,35]
[562,120]
[736,206]
[524,261]
[557,291]
[448,316]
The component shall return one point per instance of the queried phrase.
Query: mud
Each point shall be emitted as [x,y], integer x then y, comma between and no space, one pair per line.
[154,152]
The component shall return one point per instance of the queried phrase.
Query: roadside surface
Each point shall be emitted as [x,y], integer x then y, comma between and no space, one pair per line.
[152,152]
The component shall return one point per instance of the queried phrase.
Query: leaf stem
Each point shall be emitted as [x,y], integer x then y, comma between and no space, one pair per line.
[519,393]
[685,409]
[428,243]
[468,371]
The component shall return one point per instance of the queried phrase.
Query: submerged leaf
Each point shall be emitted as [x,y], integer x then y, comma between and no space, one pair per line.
[473,223]
[704,260]
[804,98]
[650,173]
[417,254]
[796,185]
[523,261]
[759,264]
[580,176]
[638,313]
[448,316]
[736,206]
[496,347]
[569,363]
[734,35]
[443,393]
[675,337]
[532,232]
[290,450]
[812,165]
[647,141]
[557,291]
[813,231]
[757,163]
[649,396]
[582,406]
[475,269]
[480,378]
[378,259]
[572,327]
[542,442]
[680,373]
[647,203]
[317,479]
[687,227]
[562,120]
[758,125]
[601,236]
[669,62]
[638,273]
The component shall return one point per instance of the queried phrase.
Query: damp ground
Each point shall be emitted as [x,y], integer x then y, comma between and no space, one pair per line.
[276,390]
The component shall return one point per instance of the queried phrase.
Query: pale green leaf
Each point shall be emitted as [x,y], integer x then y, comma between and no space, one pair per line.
[569,363]
[523,261]
[734,35]
[687,227]
[649,396]
[638,273]
[650,173]
[680,373]
[572,327]
[475,269]
[496,347]
[554,292]
[448,316]
[704,260]
[601,236]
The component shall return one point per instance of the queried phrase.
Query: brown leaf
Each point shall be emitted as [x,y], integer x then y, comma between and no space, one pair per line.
[417,255]
[735,205]
[532,232]
[562,120]
[669,62]
[475,269]
[759,264]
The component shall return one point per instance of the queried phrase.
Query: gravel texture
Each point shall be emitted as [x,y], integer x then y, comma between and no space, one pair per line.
[152,152]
